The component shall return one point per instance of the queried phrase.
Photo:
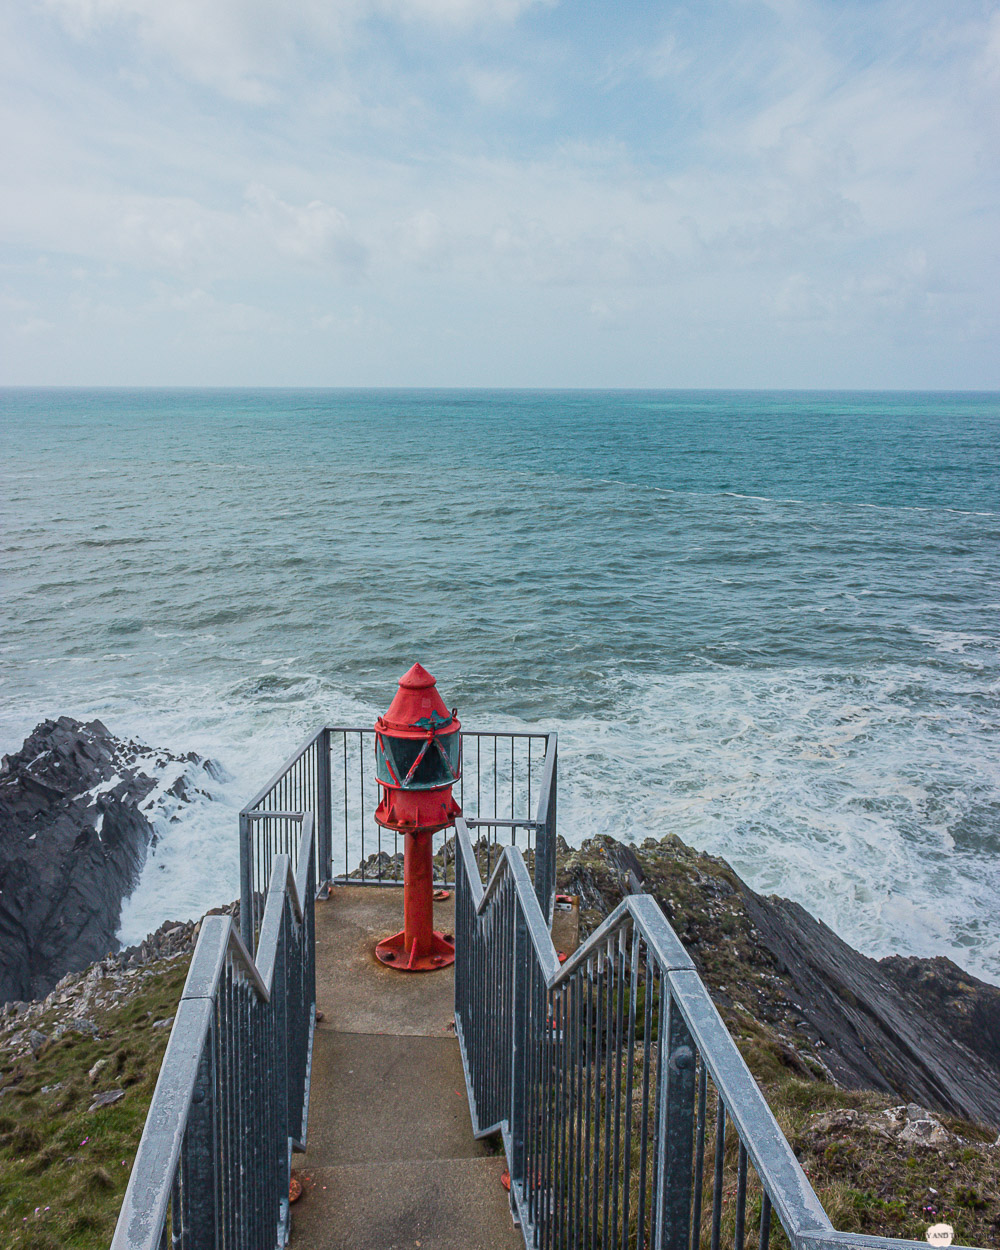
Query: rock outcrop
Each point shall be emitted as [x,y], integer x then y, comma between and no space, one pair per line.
[920,1029]
[77,807]
[79,996]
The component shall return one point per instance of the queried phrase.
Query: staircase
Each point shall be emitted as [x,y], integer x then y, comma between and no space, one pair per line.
[391,1162]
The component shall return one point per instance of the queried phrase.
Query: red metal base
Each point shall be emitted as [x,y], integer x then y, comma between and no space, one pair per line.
[440,953]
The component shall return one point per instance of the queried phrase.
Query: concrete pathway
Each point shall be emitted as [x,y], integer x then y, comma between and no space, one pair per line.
[392,1162]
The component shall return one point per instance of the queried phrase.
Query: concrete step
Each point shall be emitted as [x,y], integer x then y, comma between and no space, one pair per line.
[442,1204]
[377,1099]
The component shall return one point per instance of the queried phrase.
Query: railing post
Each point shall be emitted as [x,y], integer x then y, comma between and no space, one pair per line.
[675,1132]
[545,842]
[246,883]
[520,1000]
[199,1214]
[285,1095]
[324,811]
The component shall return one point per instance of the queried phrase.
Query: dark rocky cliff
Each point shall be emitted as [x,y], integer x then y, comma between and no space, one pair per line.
[920,1029]
[76,805]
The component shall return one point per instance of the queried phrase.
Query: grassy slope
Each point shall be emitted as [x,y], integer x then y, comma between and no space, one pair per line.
[63,1169]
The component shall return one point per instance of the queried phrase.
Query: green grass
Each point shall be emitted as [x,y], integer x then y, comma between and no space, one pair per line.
[63,1169]
[889,1188]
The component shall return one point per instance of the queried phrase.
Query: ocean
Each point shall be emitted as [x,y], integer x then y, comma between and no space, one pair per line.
[766,622]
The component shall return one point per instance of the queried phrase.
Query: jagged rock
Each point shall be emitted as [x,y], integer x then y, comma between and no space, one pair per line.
[76,805]
[879,1031]
[912,1126]
[380,865]
[925,1133]
[829,1123]
[972,1008]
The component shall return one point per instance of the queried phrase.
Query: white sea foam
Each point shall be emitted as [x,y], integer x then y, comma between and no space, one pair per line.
[826,787]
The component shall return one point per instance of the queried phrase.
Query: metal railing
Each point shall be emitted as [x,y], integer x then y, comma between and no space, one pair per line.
[232,1099]
[507,792]
[269,823]
[628,1115]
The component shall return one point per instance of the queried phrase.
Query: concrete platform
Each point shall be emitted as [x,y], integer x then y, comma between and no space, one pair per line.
[392,1161]
[357,993]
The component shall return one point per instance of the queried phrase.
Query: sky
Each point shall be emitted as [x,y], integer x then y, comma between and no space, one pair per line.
[722,193]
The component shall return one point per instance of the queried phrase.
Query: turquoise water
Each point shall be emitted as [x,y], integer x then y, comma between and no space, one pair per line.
[766,622]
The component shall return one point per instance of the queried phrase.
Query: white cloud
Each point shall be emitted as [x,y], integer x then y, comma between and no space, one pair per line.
[240,47]
[492,86]
[232,45]
[35,325]
[661,58]
[206,315]
[454,12]
[781,174]
[314,234]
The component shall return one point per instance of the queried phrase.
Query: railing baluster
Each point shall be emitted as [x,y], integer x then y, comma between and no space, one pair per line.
[595,1145]
[674,1178]
[619,1023]
[739,1234]
[765,1222]
[562,1113]
[548,1128]
[647,1036]
[699,1157]
[513,774]
[720,1150]
[576,1119]
[660,1028]
[198,1213]
[587,972]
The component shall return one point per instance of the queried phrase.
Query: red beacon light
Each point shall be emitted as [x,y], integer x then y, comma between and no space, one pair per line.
[418,758]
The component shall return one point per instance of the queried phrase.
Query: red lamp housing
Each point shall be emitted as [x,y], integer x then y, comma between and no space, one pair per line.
[418,758]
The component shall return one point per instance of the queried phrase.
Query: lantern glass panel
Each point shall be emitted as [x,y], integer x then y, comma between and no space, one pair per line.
[450,744]
[432,771]
[381,766]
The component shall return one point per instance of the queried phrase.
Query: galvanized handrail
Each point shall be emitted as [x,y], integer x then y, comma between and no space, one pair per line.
[603,1076]
[232,1099]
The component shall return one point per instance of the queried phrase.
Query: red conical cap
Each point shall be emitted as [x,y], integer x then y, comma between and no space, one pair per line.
[417,678]
[417,706]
